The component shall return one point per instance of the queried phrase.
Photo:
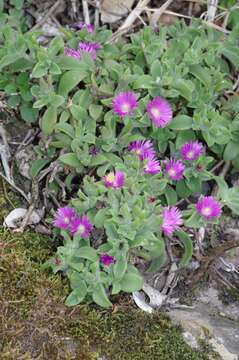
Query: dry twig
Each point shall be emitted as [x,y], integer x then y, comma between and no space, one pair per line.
[154,19]
[86,12]
[46,17]
[211,10]
[131,18]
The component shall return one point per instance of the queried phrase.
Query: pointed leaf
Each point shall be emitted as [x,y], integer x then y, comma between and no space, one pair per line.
[99,296]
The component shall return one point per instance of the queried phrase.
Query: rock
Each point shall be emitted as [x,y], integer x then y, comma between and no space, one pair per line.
[202,323]
[15,216]
[114,10]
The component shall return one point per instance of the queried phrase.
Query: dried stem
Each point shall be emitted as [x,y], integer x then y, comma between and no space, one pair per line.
[211,10]
[86,12]
[154,19]
[46,17]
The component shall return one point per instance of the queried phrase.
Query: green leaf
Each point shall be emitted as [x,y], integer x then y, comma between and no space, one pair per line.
[70,159]
[77,295]
[188,247]
[28,113]
[69,80]
[231,151]
[95,111]
[193,221]
[37,166]
[75,278]
[232,53]
[181,122]
[143,82]
[184,87]
[116,288]
[171,195]
[157,262]
[87,252]
[49,120]
[120,267]
[99,296]
[39,70]
[182,189]
[156,69]
[201,73]
[100,218]
[66,129]
[131,282]
[230,197]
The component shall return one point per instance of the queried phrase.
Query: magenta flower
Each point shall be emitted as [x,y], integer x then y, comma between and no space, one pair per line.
[81,225]
[143,148]
[114,180]
[93,150]
[174,169]
[191,150]
[64,217]
[89,48]
[72,53]
[81,25]
[152,166]
[208,207]
[172,219]
[106,259]
[160,112]
[124,103]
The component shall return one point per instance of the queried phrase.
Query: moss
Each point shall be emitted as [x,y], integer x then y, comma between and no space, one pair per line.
[35,323]
[229,296]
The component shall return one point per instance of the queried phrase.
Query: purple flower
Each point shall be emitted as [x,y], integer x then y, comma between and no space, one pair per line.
[72,53]
[89,48]
[64,217]
[191,150]
[124,103]
[152,166]
[172,219]
[114,180]
[174,169]
[81,225]
[93,150]
[81,25]
[143,148]
[106,259]
[160,112]
[208,207]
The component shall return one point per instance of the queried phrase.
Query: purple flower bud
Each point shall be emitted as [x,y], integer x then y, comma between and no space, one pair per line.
[106,259]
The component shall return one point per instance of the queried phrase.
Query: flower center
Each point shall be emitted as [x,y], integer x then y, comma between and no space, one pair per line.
[155,112]
[81,229]
[110,177]
[138,151]
[125,107]
[66,220]
[190,154]
[172,172]
[206,211]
